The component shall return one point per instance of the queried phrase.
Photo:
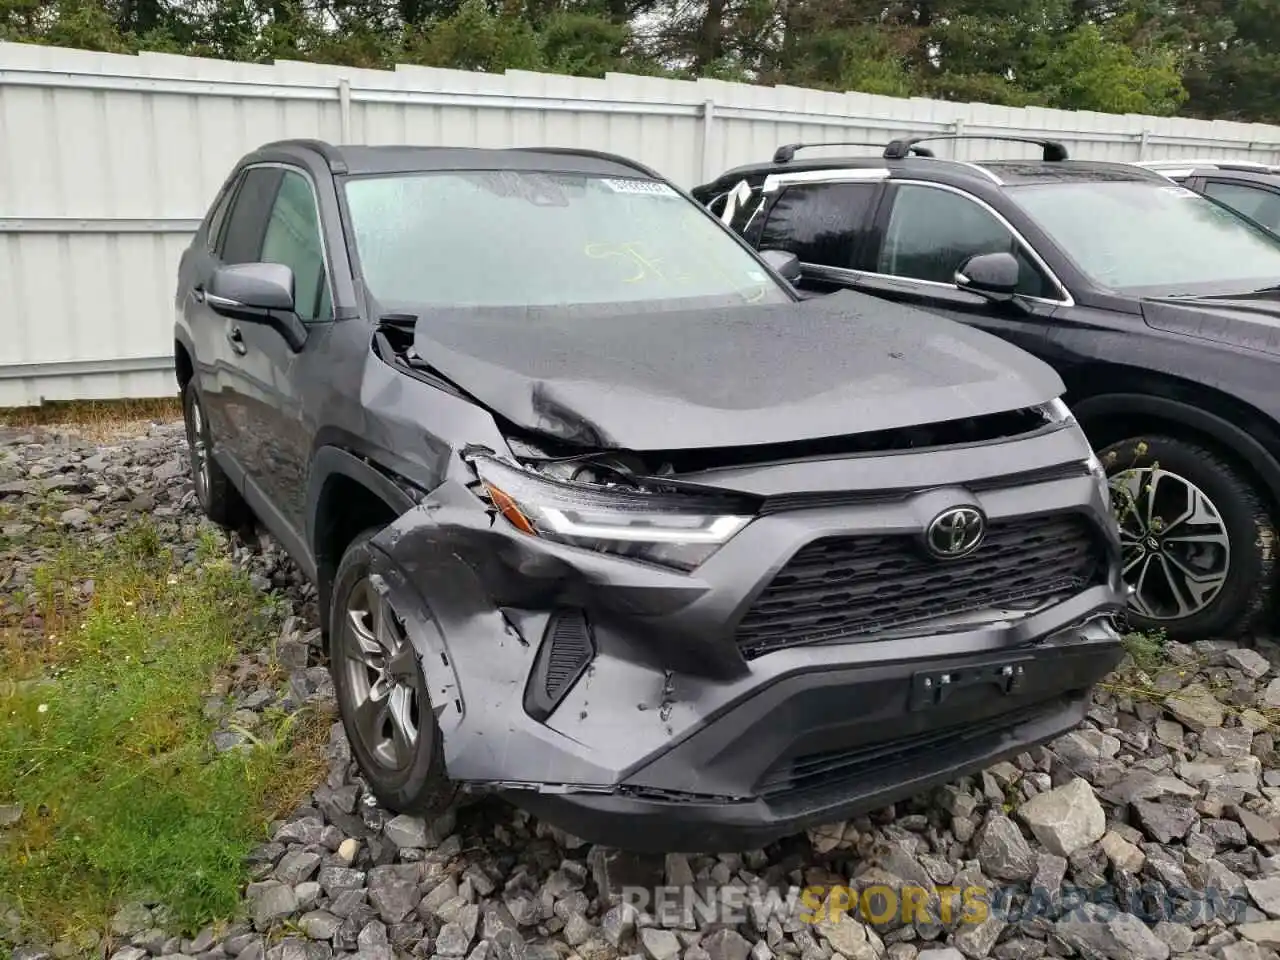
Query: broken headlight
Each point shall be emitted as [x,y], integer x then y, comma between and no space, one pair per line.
[1057,411]
[674,530]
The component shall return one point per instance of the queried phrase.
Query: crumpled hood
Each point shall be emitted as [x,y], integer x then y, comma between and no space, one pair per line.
[1249,322]
[748,374]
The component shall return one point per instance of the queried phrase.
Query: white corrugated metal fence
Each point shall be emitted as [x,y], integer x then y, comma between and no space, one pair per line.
[107,164]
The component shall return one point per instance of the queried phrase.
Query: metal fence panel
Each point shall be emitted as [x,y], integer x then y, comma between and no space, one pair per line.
[108,162]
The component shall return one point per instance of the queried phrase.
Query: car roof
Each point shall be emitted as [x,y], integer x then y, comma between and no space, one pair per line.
[408,158]
[1234,174]
[993,172]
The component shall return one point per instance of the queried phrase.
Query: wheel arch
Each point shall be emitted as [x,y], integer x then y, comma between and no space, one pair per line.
[1237,431]
[345,496]
[183,363]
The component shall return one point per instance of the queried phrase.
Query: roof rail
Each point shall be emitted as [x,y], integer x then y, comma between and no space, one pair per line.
[1052,150]
[325,149]
[1199,164]
[596,154]
[787,152]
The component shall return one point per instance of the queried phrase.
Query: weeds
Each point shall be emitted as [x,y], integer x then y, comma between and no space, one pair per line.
[105,745]
[1146,650]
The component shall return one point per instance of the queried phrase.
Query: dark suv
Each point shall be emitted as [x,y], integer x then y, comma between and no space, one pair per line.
[604,518]
[1159,308]
[1252,189]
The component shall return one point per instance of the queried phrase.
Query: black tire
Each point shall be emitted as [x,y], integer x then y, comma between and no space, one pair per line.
[219,499]
[418,785]
[1245,576]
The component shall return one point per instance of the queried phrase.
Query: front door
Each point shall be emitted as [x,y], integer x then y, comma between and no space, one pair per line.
[925,234]
[267,390]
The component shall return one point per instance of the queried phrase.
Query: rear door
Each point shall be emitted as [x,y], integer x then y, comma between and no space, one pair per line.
[824,218]
[205,326]
[234,238]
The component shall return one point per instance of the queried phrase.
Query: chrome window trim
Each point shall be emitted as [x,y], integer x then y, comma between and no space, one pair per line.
[774,181]
[1067,301]
[848,274]
[981,169]
[315,203]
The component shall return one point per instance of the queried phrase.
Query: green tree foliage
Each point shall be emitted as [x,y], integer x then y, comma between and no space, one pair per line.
[1208,58]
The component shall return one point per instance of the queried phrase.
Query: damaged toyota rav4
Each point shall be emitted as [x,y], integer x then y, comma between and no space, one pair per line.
[604,518]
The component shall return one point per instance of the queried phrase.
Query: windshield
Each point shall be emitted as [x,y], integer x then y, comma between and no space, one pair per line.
[517,239]
[1150,238]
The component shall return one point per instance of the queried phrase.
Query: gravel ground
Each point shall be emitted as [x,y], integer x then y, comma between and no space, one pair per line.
[1170,810]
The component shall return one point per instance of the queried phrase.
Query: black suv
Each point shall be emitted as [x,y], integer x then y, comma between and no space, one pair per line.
[1159,308]
[605,518]
[1252,189]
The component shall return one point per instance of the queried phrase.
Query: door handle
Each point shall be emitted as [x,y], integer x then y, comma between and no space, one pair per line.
[197,294]
[236,339]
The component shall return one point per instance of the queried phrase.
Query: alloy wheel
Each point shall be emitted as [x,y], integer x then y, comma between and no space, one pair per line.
[199,451]
[1175,546]
[383,681]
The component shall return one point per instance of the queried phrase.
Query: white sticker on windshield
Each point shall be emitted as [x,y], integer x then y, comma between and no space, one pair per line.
[1178,191]
[652,187]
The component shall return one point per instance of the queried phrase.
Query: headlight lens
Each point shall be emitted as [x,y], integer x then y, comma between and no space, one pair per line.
[671,530]
[1099,475]
[1057,411]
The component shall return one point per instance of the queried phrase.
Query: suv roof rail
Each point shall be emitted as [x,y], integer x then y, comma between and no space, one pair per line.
[1052,150]
[787,152]
[1202,164]
[597,154]
[327,150]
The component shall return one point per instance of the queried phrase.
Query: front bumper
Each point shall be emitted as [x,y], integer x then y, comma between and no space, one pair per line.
[652,822]
[668,737]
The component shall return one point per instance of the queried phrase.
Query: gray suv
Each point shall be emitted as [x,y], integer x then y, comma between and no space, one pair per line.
[604,518]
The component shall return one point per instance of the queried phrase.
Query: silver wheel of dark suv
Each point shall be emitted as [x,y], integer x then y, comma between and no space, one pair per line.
[382,693]
[1196,538]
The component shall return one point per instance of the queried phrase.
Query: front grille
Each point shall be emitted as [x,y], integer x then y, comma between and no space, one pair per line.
[841,588]
[827,768]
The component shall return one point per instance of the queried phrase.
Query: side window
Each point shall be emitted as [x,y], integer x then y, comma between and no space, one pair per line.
[293,239]
[931,232]
[738,207]
[241,240]
[1259,205]
[820,223]
[219,214]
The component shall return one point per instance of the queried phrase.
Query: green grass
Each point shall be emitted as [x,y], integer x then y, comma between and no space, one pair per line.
[104,742]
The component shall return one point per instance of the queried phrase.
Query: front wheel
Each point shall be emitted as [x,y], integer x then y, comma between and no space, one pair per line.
[1197,538]
[382,693]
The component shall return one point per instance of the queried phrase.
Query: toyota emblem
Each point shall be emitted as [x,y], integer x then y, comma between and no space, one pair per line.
[955,533]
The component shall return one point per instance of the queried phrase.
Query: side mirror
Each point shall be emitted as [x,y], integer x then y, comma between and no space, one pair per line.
[258,293]
[991,275]
[784,262]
